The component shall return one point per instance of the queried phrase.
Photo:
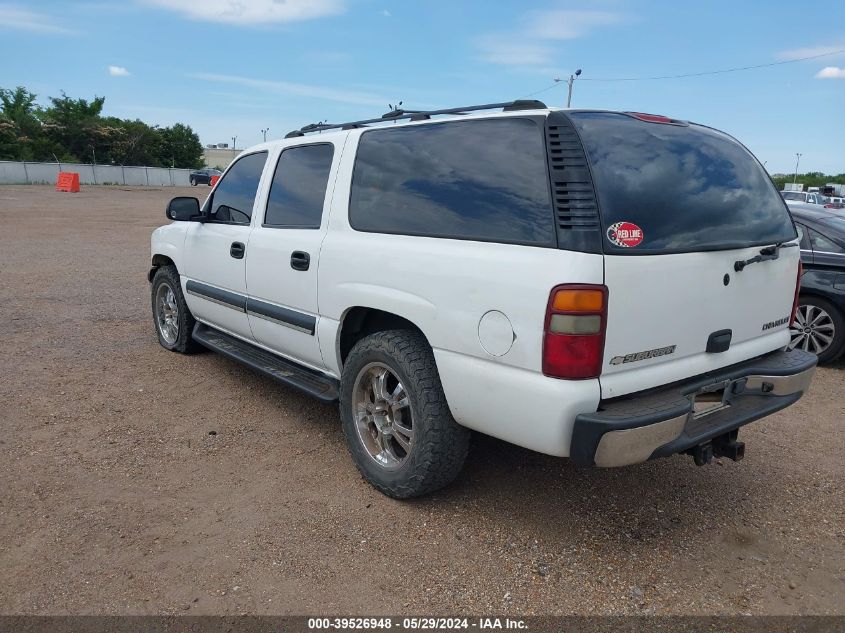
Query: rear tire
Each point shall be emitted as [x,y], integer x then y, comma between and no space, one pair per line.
[817,321]
[174,323]
[396,420]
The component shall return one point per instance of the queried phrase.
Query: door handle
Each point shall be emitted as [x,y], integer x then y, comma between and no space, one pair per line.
[300,260]
[237,250]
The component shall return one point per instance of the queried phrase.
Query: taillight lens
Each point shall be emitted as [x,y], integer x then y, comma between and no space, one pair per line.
[797,291]
[573,339]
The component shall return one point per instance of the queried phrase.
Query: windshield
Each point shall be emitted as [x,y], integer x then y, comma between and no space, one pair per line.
[678,188]
[792,195]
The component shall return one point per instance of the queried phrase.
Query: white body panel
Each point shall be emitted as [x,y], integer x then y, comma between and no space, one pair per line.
[207,260]
[658,301]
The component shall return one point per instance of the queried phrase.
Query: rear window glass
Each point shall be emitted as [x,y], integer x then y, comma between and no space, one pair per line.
[475,180]
[686,188]
[792,195]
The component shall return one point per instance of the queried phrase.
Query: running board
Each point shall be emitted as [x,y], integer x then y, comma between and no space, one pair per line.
[286,371]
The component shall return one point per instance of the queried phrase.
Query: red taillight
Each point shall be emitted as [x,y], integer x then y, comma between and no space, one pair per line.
[573,338]
[797,290]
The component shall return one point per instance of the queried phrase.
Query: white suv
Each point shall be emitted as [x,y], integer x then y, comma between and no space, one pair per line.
[806,197]
[606,286]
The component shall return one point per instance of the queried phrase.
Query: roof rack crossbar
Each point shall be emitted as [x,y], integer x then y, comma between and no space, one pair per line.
[417,115]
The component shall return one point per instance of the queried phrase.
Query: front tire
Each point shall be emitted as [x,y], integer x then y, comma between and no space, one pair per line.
[396,420]
[819,328]
[174,323]
[193,182]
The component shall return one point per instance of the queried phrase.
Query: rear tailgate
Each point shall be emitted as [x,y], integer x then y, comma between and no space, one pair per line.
[662,310]
[680,204]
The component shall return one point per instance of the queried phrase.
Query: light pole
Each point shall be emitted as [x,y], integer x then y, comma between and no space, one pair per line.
[797,160]
[570,81]
[234,142]
[264,132]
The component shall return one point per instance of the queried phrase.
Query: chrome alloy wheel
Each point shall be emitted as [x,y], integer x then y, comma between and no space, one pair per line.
[167,313]
[813,330]
[382,413]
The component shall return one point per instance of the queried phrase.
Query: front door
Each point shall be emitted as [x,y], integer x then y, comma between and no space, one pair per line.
[284,251]
[214,275]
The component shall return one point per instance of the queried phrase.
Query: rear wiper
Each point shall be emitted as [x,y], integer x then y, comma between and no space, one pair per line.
[767,253]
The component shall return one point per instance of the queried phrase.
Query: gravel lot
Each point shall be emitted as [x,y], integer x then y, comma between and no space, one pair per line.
[116,496]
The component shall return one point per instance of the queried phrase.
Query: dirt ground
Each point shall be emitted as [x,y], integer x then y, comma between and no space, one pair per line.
[115,496]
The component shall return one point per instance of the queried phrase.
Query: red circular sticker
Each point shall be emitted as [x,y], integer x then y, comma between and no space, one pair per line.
[625,234]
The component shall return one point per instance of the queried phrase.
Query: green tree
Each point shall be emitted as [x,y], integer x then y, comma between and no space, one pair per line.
[9,146]
[810,179]
[74,125]
[125,142]
[21,128]
[180,147]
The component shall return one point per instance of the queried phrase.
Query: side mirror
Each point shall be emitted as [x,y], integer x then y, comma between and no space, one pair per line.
[183,208]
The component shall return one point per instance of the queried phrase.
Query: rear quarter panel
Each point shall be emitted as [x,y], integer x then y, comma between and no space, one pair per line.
[445,287]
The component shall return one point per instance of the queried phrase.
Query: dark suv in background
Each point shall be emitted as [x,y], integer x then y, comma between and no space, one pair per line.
[203,176]
[820,319]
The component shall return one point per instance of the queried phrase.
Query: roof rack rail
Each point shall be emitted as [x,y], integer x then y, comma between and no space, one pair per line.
[418,115]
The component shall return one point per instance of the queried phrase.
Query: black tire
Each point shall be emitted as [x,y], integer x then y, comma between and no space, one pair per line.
[439,445]
[193,182]
[182,341]
[835,349]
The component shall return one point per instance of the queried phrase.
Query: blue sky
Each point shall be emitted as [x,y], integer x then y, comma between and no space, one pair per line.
[231,67]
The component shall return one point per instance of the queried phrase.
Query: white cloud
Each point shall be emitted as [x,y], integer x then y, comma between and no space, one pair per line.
[386,13]
[17,18]
[531,45]
[811,51]
[831,72]
[118,71]
[510,50]
[304,90]
[252,12]
[566,24]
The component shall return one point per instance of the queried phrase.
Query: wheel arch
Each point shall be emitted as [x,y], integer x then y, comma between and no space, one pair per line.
[360,321]
[837,300]
[157,261]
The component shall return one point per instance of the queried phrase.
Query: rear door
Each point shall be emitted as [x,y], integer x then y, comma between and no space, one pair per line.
[284,252]
[680,205]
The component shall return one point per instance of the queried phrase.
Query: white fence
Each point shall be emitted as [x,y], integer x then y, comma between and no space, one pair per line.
[26,173]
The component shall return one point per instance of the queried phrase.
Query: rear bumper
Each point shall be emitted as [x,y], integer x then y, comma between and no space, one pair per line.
[661,422]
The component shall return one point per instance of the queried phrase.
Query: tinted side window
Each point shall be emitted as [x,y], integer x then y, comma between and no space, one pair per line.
[822,244]
[235,193]
[802,233]
[299,187]
[478,180]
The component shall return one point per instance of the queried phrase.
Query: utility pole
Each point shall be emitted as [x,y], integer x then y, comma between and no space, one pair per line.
[570,81]
[797,160]
[234,142]
[264,132]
